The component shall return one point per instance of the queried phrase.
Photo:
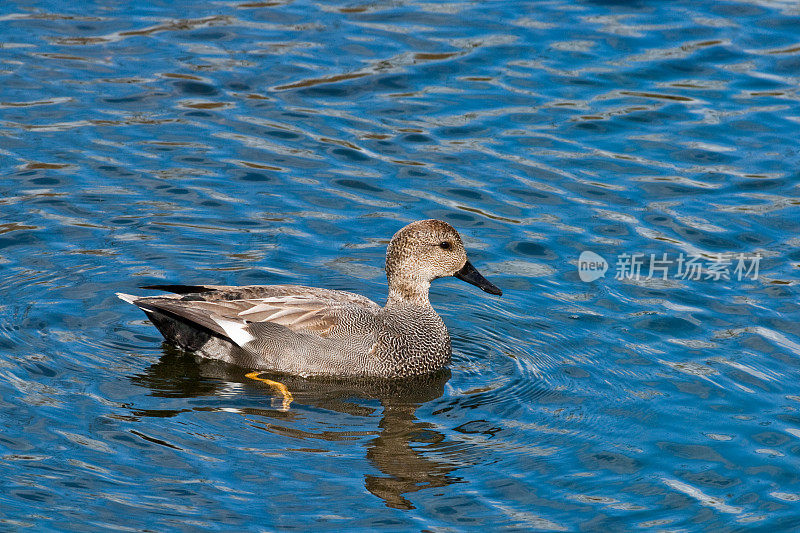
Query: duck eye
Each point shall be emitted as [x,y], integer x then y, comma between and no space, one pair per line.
[444,245]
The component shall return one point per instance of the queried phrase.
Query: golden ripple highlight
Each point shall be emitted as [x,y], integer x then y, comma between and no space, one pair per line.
[49,101]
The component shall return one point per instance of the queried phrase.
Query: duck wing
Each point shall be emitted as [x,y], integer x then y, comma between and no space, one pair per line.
[234,311]
[230,292]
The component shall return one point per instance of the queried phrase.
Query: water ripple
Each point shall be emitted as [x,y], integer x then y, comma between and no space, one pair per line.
[284,142]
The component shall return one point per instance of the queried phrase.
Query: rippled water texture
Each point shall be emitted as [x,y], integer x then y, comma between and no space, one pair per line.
[285,142]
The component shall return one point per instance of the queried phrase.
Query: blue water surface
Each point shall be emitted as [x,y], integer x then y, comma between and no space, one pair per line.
[247,142]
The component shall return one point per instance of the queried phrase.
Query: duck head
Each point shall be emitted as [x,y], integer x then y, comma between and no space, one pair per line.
[423,251]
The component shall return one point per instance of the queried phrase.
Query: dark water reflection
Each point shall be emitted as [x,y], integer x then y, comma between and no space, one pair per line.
[403,469]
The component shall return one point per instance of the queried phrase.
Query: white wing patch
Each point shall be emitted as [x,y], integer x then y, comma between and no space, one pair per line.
[236,331]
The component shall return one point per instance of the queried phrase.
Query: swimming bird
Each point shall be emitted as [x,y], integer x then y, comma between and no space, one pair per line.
[310,331]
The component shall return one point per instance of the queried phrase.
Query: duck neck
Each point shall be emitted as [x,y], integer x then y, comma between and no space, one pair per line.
[408,292]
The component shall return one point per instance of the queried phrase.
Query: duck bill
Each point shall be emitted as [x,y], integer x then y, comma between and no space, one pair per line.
[469,274]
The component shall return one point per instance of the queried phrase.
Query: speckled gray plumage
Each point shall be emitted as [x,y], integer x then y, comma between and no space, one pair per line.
[311,331]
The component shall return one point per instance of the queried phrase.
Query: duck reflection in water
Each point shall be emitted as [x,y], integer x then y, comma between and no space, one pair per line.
[395,451]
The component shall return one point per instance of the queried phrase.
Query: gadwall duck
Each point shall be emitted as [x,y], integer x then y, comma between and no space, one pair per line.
[321,332]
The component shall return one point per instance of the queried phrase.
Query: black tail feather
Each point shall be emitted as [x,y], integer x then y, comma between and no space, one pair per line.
[180,289]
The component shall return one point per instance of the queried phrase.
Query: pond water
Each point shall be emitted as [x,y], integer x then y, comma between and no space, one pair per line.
[284,142]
